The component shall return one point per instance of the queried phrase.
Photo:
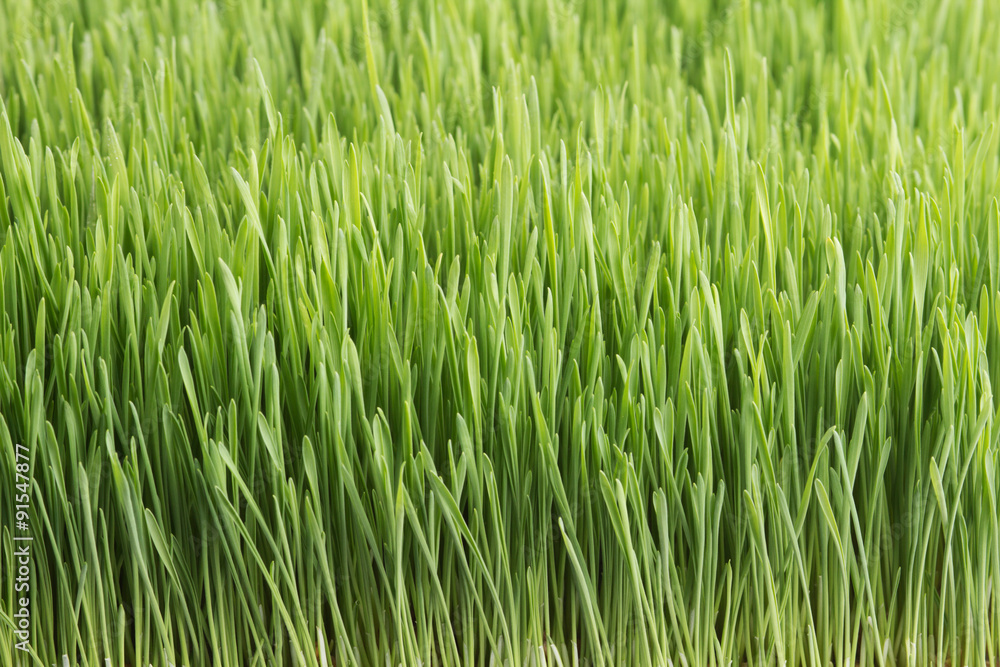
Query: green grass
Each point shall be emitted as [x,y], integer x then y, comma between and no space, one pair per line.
[472,332]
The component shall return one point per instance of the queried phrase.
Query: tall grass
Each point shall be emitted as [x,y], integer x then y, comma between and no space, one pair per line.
[477,332]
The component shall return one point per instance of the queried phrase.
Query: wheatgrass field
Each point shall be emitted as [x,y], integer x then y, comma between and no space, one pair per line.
[499,333]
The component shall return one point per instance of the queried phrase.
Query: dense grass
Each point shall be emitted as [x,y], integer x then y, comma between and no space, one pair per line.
[525,332]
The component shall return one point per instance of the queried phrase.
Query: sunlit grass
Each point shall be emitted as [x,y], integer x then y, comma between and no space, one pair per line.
[502,332]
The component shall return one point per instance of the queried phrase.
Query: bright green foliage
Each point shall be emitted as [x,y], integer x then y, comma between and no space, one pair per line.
[522,332]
